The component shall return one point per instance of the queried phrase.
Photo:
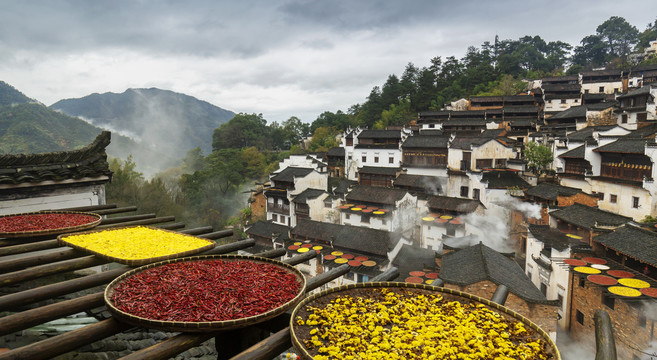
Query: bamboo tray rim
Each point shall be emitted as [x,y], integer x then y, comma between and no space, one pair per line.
[303,352]
[52,231]
[204,326]
[136,262]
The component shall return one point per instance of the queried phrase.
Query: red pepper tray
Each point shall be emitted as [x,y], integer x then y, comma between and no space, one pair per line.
[51,228]
[170,294]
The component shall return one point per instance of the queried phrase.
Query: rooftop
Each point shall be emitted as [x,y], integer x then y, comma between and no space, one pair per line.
[552,238]
[501,179]
[426,141]
[290,173]
[460,205]
[589,217]
[377,195]
[632,241]
[479,262]
[550,191]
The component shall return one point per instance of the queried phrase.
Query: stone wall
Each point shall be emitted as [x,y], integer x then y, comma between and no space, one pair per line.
[629,332]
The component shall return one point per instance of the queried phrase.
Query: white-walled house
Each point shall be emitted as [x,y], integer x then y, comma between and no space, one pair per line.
[285,185]
[386,209]
[56,180]
[637,107]
[374,148]
[546,250]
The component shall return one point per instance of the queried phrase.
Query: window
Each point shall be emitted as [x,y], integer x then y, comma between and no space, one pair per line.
[580,317]
[347,216]
[563,101]
[582,282]
[560,300]
[391,160]
[601,89]
[451,231]
[475,194]
[613,198]
[576,101]
[624,119]
[586,91]
[364,158]
[529,274]
[601,196]
[365,219]
[431,126]
[464,191]
[642,320]
[544,289]
[376,159]
[383,221]
[635,202]
[274,218]
[608,301]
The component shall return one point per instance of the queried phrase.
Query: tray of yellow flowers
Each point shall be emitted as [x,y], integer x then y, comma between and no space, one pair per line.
[136,245]
[391,320]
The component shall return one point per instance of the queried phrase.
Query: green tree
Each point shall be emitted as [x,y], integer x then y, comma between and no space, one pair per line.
[538,156]
[619,35]
[123,189]
[242,131]
[591,53]
[324,139]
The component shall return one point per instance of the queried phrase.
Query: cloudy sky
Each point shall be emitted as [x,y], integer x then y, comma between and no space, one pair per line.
[279,58]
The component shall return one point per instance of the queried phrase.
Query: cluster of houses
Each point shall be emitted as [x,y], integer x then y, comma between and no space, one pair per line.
[449,200]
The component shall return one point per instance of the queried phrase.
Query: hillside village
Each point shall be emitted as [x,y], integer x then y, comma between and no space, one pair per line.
[451,200]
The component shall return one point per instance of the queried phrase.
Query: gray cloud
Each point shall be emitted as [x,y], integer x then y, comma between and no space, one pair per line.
[280,58]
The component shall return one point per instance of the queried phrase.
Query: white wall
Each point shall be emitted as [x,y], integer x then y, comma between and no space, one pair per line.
[55,199]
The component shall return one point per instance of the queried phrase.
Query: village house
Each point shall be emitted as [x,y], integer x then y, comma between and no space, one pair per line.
[560,93]
[286,184]
[585,221]
[374,148]
[442,220]
[267,235]
[602,82]
[392,210]
[632,317]
[425,155]
[545,251]
[551,196]
[479,270]
[335,160]
[637,107]
[55,180]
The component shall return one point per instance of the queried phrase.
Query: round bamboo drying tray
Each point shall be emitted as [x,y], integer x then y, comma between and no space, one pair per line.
[51,231]
[298,335]
[205,326]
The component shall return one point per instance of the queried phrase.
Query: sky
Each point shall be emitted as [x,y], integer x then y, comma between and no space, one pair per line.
[278,58]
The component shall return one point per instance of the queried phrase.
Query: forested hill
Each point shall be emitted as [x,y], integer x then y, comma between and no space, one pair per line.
[158,118]
[10,96]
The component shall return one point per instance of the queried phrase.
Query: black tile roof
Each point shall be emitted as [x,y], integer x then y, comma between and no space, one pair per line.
[466,142]
[411,258]
[561,87]
[504,179]
[426,141]
[429,184]
[289,173]
[340,186]
[589,217]
[560,78]
[459,205]
[552,238]
[643,132]
[521,109]
[90,161]
[550,191]
[632,241]
[377,195]
[308,194]
[464,122]
[623,145]
[356,238]
[378,170]
[269,230]
[380,134]
[600,106]
[431,132]
[586,133]
[479,262]
[576,153]
[336,151]
[574,112]
[644,90]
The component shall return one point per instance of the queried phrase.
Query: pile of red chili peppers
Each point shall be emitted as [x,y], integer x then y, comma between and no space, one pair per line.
[46,221]
[205,290]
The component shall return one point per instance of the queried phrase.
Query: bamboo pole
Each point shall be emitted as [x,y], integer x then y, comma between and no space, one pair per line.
[66,287]
[25,248]
[89,208]
[27,261]
[115,210]
[50,269]
[61,344]
[171,347]
[218,234]
[121,219]
[149,221]
[27,319]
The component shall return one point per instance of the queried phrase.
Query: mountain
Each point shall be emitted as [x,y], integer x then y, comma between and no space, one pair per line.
[160,119]
[10,96]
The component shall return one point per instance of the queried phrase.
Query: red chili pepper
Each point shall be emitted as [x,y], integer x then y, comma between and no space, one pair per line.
[206,290]
[47,221]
